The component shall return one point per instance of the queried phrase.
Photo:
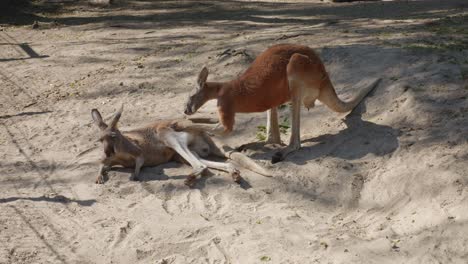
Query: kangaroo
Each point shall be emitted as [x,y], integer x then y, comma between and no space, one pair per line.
[282,73]
[163,141]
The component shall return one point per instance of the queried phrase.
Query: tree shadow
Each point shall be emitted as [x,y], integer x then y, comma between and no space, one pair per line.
[36,232]
[25,12]
[52,199]
[239,13]
[25,114]
[25,48]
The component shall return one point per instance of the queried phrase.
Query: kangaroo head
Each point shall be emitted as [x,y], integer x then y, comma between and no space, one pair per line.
[109,133]
[199,95]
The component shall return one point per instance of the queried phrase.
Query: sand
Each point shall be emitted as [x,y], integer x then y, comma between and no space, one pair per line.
[387,184]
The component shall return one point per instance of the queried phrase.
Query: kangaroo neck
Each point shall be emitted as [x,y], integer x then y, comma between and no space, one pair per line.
[218,88]
[213,89]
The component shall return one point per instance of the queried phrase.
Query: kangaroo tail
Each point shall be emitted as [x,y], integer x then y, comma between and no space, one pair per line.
[329,98]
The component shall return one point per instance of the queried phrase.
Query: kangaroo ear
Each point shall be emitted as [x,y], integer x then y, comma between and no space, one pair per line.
[98,119]
[202,77]
[116,118]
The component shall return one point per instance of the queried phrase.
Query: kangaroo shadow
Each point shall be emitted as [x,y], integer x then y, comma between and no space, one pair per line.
[156,173]
[152,173]
[359,139]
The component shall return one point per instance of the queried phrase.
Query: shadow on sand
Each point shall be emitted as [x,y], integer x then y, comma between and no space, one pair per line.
[359,139]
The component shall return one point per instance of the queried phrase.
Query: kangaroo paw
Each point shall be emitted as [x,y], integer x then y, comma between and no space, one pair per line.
[101,179]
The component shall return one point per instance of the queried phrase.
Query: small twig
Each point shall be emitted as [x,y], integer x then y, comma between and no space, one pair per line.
[226,52]
[30,104]
[204,120]
[85,151]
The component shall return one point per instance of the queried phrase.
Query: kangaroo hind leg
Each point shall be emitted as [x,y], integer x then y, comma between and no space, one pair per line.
[178,141]
[223,166]
[304,79]
[295,138]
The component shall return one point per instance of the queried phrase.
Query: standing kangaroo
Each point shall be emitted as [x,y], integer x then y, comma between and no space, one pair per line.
[164,141]
[280,74]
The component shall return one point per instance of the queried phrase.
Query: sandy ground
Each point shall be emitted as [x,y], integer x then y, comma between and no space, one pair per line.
[388,184]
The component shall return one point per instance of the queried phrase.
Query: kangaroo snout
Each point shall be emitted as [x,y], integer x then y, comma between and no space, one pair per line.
[188,110]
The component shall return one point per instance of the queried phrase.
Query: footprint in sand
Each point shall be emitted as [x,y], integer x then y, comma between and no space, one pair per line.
[123,232]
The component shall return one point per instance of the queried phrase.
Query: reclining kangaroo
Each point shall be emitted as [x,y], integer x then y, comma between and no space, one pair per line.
[161,142]
[280,74]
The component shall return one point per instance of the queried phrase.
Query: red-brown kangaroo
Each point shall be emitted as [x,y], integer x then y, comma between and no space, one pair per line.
[280,74]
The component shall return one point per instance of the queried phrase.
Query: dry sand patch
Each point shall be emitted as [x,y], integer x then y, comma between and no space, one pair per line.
[385,185]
